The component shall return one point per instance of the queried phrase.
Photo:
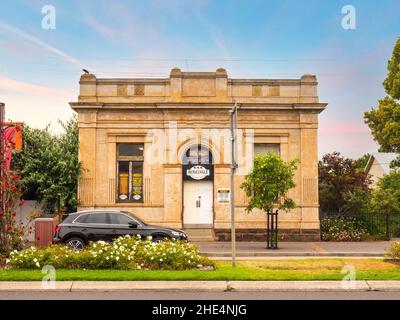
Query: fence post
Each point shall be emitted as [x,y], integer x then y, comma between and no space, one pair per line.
[276,229]
[268,230]
[387,226]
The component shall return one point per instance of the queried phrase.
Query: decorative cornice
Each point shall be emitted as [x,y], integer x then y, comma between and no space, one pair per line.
[194,105]
[199,105]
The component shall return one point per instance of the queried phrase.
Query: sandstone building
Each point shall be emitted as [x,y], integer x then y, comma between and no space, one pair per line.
[160,148]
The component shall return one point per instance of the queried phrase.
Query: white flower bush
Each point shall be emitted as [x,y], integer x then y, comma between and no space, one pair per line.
[127,252]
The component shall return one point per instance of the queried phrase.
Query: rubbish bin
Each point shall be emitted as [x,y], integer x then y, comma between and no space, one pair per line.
[44,231]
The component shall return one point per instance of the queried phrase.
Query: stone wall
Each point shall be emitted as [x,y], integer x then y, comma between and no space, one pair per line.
[261,234]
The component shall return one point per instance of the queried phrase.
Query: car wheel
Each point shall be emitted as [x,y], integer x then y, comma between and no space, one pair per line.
[158,239]
[75,244]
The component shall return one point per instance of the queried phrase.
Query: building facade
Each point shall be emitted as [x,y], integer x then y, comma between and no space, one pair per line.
[160,148]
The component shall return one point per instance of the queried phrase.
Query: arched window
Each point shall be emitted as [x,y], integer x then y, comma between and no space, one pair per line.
[197,154]
[198,163]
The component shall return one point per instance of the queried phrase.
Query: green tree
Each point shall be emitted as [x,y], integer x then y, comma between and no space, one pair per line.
[268,183]
[342,184]
[356,201]
[386,196]
[50,168]
[361,162]
[391,180]
[392,81]
[384,121]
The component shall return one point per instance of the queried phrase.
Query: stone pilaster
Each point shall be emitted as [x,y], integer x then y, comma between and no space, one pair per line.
[173,195]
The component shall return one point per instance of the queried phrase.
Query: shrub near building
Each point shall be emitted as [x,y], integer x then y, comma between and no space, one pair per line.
[343,229]
[126,253]
[386,197]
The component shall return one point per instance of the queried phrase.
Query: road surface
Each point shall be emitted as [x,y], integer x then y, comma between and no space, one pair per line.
[201,295]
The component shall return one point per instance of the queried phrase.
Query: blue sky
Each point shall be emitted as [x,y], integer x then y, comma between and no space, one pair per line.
[40,69]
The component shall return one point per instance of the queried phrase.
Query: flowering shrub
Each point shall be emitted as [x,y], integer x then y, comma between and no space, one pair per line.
[393,252]
[342,229]
[12,235]
[127,252]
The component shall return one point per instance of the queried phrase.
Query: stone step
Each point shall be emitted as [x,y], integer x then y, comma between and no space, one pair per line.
[196,234]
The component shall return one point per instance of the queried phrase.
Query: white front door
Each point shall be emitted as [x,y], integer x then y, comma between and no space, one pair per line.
[190,205]
[198,202]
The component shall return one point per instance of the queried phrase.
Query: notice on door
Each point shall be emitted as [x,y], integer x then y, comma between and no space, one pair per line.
[224,195]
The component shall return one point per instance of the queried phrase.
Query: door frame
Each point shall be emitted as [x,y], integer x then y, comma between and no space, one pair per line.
[197,225]
[184,149]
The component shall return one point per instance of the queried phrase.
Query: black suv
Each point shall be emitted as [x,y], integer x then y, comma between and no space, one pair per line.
[81,227]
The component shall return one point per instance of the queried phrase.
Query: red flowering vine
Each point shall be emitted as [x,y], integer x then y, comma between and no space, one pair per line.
[11,235]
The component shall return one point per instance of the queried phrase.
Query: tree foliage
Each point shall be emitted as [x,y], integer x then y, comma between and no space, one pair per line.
[50,167]
[392,81]
[361,162]
[386,196]
[343,185]
[384,121]
[268,183]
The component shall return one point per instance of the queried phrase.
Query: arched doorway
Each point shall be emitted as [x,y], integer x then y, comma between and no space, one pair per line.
[198,176]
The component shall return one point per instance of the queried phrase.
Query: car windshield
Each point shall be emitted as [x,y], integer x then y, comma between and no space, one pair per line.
[135,217]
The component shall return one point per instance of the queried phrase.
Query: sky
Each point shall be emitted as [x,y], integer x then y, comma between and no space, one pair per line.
[40,67]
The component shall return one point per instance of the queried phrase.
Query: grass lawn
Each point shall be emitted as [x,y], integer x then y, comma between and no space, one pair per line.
[305,269]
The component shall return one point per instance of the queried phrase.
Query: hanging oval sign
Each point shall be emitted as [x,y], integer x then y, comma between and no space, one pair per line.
[198,172]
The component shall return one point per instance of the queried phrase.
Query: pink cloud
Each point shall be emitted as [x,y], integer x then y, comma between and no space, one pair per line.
[15,85]
[348,145]
[342,128]
[21,49]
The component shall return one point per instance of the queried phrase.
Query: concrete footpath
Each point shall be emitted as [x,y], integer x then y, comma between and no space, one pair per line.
[201,286]
[247,250]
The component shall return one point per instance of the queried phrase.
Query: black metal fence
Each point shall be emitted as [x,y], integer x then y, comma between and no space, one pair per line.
[381,226]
